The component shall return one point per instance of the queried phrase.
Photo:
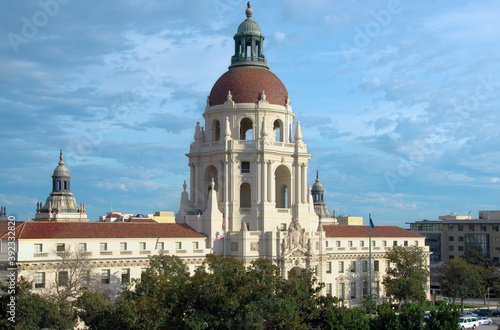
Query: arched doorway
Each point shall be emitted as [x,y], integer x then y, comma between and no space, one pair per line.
[282,187]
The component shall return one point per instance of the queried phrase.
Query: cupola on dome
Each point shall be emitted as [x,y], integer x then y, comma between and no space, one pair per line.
[248,79]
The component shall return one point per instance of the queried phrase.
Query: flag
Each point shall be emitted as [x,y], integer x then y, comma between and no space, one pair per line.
[371,222]
[221,236]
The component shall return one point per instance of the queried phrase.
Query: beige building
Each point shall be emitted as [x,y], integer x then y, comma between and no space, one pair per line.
[453,235]
[248,184]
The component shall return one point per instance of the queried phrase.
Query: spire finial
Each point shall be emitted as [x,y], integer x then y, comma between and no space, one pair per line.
[317,175]
[61,158]
[249,10]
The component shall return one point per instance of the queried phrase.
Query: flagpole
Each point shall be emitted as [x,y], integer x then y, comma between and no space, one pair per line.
[370,257]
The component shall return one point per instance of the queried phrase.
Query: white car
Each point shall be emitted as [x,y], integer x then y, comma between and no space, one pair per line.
[485,320]
[468,322]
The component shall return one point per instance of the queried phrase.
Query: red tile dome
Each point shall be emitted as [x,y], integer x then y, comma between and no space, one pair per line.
[246,85]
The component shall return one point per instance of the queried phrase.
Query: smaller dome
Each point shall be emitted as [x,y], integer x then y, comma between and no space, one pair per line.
[248,26]
[61,170]
[317,186]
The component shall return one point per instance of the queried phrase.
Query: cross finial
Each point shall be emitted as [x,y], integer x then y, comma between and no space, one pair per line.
[61,158]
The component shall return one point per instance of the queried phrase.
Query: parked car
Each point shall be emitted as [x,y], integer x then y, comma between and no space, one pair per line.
[468,322]
[468,314]
[485,320]
[483,312]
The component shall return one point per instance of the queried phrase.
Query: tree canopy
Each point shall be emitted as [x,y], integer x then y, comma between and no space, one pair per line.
[408,276]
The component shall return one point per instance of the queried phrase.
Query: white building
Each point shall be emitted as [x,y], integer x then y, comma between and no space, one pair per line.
[249,166]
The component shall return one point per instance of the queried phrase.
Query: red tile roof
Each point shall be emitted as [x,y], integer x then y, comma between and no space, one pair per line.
[246,85]
[363,231]
[49,229]
[148,220]
[4,226]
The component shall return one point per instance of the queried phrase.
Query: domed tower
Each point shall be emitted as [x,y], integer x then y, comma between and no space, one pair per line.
[248,148]
[318,192]
[61,205]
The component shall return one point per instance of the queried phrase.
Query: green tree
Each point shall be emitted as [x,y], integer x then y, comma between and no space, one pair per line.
[459,279]
[33,311]
[342,318]
[411,317]
[408,277]
[386,318]
[445,318]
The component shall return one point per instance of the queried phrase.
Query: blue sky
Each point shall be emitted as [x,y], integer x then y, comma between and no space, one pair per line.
[398,100]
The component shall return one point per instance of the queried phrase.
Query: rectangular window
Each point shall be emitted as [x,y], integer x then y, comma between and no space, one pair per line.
[178,245]
[105,275]
[328,267]
[62,278]
[483,227]
[161,246]
[125,276]
[82,247]
[460,227]
[353,266]
[245,167]
[451,257]
[495,227]
[328,289]
[451,238]
[337,243]
[341,266]
[142,245]
[39,280]
[61,247]
[353,290]
[38,248]
[450,227]
[472,228]
[384,243]
[376,265]
[86,276]
[283,228]
[373,243]
[365,266]
[365,288]
[416,243]
[495,240]
[460,248]
[123,246]
[451,248]
[361,243]
[376,286]
[349,243]
[341,291]
[103,246]
[460,238]
[387,265]
[394,243]
[405,243]
[195,245]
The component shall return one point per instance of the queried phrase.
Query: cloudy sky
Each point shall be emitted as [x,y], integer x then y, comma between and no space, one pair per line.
[398,100]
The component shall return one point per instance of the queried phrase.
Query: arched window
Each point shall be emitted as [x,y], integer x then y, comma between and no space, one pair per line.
[278,131]
[216,130]
[282,185]
[245,195]
[246,129]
